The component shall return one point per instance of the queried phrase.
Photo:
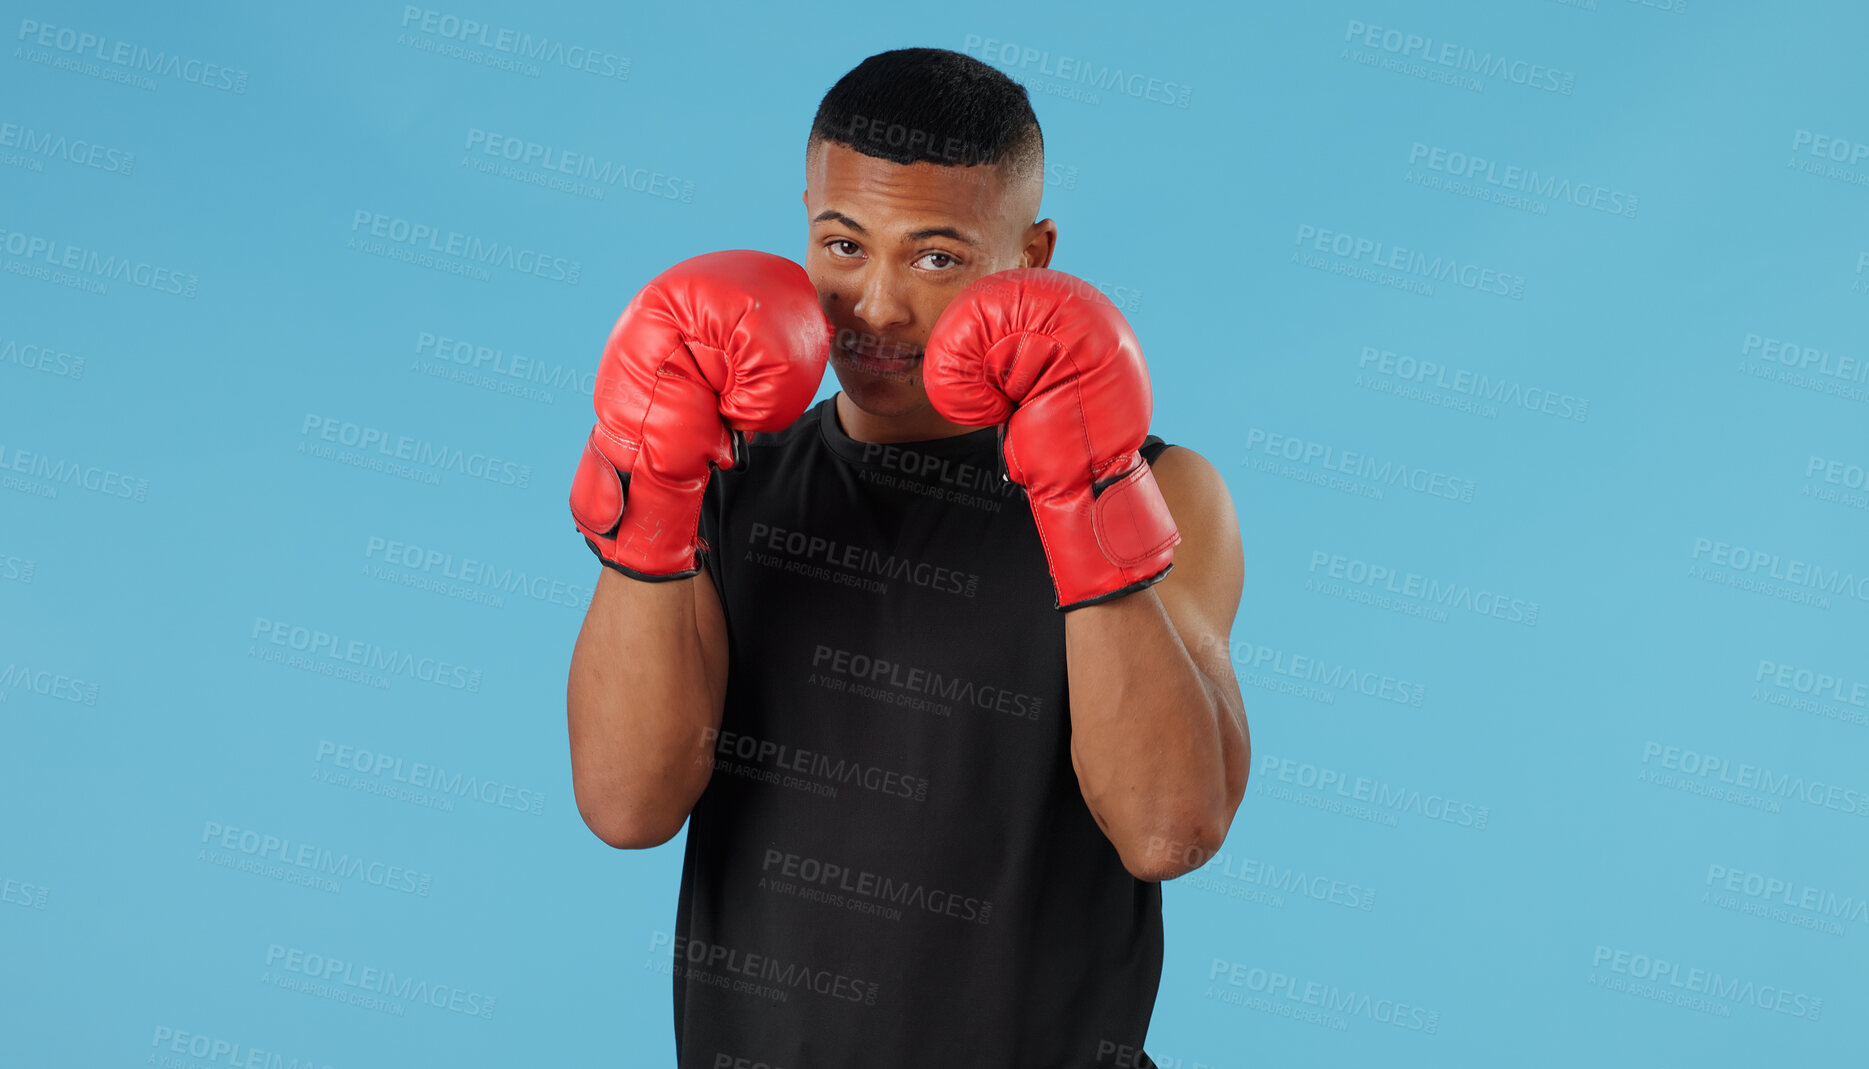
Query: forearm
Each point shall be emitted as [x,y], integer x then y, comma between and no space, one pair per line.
[640,710]
[1159,747]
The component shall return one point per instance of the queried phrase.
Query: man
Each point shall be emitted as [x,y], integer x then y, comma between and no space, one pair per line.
[936,672]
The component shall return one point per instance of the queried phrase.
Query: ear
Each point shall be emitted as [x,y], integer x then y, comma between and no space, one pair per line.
[1041,241]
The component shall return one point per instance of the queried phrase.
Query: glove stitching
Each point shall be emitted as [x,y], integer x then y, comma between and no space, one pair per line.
[1134,479]
[732,378]
[1083,423]
[617,438]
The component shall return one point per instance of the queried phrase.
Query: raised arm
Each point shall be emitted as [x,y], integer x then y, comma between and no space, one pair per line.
[648,682]
[717,346]
[1158,727]
[1158,737]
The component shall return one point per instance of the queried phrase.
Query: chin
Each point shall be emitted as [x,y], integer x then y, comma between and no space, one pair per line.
[882,395]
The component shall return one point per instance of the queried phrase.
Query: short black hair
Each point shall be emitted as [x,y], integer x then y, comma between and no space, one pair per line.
[932,105]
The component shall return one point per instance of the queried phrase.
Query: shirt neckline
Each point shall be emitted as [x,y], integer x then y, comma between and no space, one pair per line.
[981,442]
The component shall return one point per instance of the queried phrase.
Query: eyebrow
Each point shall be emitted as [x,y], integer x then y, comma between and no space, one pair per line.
[833,215]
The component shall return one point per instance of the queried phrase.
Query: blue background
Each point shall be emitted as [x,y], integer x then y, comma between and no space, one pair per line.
[170,504]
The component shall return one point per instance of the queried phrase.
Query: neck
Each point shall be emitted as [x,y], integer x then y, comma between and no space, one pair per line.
[921,425]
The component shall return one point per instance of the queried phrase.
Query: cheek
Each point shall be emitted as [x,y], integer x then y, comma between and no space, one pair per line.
[929,309]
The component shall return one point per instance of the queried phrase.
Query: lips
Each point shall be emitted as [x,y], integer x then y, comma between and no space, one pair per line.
[886,356]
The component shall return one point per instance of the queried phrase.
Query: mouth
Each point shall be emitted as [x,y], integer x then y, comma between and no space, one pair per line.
[879,358]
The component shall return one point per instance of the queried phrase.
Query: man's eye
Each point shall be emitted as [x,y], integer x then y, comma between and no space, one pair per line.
[835,246]
[947,261]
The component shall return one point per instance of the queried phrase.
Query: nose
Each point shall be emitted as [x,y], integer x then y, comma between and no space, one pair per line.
[881,304]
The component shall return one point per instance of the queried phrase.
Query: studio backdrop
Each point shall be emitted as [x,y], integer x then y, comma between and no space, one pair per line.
[1529,338]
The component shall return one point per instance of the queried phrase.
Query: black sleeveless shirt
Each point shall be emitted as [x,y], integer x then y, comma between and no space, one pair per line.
[893,864]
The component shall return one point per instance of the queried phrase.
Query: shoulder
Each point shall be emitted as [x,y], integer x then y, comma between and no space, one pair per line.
[1183,473]
[1197,497]
[1202,591]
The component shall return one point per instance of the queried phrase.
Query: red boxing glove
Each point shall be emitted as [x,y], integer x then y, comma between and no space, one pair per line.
[1052,361]
[725,337]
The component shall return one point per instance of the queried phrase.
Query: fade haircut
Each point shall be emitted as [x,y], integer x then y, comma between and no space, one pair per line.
[932,105]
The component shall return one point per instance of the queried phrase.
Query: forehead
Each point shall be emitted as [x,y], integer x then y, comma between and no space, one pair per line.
[884,195]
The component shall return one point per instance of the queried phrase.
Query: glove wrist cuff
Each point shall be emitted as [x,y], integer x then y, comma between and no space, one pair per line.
[1106,540]
[656,537]
[642,576]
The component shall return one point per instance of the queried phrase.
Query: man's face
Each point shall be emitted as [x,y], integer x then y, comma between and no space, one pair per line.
[891,245]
